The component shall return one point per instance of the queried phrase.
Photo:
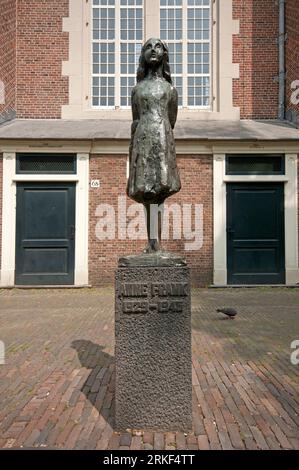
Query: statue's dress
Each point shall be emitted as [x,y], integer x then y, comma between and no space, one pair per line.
[153,174]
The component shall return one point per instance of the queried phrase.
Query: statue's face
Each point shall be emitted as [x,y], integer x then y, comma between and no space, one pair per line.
[153,52]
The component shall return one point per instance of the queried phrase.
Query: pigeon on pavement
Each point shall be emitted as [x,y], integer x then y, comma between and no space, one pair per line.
[230,312]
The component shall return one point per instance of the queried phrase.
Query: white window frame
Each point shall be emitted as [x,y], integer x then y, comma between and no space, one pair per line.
[184,41]
[78,67]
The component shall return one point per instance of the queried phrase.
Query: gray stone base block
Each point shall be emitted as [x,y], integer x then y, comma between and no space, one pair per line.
[153,348]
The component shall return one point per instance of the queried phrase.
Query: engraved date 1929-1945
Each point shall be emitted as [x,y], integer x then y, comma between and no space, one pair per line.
[144,306]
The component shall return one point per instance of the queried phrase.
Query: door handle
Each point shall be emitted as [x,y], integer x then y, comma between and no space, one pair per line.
[230,230]
[72,232]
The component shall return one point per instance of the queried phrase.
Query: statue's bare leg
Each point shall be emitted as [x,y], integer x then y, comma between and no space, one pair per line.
[153,227]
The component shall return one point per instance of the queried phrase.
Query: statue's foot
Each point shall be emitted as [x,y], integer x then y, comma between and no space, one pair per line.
[152,247]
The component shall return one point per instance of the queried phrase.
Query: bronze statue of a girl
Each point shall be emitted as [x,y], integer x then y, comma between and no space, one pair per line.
[153,173]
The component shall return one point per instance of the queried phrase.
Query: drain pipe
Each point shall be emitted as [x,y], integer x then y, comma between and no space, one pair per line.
[282,74]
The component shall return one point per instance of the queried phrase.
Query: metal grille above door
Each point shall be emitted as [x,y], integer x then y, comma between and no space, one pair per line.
[46,163]
[263,164]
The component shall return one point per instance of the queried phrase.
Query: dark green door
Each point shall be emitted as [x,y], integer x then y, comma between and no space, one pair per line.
[45,229]
[255,233]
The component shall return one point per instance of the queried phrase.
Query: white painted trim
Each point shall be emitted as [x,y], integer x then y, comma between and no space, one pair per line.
[291,220]
[255,178]
[121,146]
[262,146]
[291,214]
[226,69]
[42,178]
[82,220]
[51,146]
[151,19]
[219,203]
[7,277]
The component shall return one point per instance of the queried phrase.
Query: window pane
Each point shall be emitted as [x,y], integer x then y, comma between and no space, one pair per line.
[254,164]
[131,20]
[178,84]
[198,2]
[197,59]
[103,52]
[198,52]
[171,31]
[198,91]
[175,56]
[171,24]
[198,23]
[131,13]
[104,2]
[127,84]
[171,3]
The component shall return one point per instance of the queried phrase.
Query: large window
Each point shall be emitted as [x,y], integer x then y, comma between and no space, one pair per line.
[117,36]
[118,33]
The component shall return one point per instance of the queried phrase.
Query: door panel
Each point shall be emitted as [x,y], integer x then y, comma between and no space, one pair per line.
[43,220]
[255,233]
[52,260]
[45,233]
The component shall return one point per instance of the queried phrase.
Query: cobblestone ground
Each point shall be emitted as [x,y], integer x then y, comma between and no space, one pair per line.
[57,383]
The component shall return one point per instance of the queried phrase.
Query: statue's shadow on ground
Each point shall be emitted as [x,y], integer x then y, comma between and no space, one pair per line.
[99,387]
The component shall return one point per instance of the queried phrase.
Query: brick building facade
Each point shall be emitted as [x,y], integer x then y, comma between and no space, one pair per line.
[45,64]
[8,59]
[292,61]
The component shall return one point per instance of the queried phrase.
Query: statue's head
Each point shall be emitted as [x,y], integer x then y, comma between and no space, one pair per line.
[154,52]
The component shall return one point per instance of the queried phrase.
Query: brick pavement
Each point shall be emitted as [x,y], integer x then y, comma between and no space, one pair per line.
[57,387]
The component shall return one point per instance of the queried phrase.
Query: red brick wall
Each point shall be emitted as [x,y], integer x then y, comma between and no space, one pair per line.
[8,57]
[292,55]
[256,50]
[197,188]
[42,46]
[1,180]
[298,201]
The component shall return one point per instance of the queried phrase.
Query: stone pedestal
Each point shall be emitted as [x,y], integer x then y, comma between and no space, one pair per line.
[153,348]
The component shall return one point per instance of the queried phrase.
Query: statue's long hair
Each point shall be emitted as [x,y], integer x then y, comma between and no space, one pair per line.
[142,70]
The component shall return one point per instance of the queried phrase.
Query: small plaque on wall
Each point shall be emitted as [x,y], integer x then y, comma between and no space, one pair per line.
[94,183]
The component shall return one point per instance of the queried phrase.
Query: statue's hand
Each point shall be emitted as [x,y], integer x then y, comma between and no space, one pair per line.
[134,126]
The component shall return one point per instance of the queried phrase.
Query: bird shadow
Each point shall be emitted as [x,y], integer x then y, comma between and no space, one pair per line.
[99,387]
[222,319]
